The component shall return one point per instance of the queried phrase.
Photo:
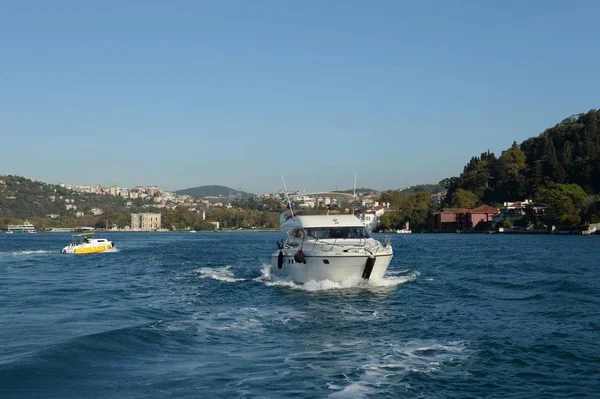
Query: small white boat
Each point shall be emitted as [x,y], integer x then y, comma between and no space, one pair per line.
[88,245]
[10,232]
[329,247]
[405,230]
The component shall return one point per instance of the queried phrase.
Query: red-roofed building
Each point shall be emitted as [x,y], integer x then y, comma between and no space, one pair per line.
[445,220]
[471,218]
[459,219]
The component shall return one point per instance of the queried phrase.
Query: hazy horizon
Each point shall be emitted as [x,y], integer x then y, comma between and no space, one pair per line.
[186,93]
[276,189]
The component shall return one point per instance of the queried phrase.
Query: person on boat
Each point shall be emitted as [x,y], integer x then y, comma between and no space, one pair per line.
[298,233]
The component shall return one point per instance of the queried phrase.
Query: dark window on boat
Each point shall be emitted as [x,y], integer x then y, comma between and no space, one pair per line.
[338,232]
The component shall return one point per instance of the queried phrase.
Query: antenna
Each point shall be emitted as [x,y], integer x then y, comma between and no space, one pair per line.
[354,198]
[288,196]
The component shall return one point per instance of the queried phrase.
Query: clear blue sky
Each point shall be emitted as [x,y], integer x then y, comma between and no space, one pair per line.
[239,93]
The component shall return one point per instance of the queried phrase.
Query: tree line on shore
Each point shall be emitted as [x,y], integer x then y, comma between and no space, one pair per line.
[559,168]
[180,218]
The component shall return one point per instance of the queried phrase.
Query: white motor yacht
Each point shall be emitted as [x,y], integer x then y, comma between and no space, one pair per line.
[26,227]
[328,247]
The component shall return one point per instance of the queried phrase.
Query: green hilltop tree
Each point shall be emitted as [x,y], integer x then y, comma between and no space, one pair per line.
[396,198]
[391,220]
[512,162]
[565,201]
[415,209]
[464,199]
[591,209]
[568,153]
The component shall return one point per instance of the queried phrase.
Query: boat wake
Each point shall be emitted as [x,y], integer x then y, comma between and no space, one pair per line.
[392,279]
[223,274]
[397,361]
[27,252]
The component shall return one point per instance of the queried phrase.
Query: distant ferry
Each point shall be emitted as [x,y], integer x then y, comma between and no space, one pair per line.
[23,228]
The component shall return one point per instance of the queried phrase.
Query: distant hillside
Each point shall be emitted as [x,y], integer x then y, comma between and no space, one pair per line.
[560,167]
[214,191]
[568,153]
[362,191]
[23,198]
[428,188]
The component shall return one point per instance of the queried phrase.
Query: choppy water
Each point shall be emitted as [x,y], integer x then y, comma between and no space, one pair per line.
[198,315]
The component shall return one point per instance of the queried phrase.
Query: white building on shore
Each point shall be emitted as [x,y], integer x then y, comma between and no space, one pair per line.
[370,218]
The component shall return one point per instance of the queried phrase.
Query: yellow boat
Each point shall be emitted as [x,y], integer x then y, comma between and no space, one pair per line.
[88,245]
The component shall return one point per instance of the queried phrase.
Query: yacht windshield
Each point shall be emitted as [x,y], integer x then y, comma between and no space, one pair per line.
[337,232]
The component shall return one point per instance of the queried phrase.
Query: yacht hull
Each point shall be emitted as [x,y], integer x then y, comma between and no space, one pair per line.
[84,249]
[338,267]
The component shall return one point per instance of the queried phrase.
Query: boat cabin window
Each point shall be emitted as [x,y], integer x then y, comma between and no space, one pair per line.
[337,232]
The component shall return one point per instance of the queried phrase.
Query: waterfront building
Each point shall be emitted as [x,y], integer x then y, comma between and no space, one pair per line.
[445,220]
[145,221]
[460,219]
[513,211]
[371,218]
[469,219]
[214,223]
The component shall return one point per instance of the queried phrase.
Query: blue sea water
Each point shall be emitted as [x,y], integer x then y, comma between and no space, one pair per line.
[198,315]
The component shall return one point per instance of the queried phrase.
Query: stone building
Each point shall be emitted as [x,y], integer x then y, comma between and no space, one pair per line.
[145,221]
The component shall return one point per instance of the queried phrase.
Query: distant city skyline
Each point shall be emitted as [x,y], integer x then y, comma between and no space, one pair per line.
[186,93]
[94,187]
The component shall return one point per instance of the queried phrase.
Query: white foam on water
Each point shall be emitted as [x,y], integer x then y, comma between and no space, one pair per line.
[394,280]
[390,280]
[417,357]
[247,324]
[353,390]
[27,252]
[396,361]
[265,272]
[248,319]
[242,319]
[224,274]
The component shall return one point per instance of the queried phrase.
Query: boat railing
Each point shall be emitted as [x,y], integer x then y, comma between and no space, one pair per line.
[328,246]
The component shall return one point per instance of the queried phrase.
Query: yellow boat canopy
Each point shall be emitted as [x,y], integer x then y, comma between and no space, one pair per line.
[83,234]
